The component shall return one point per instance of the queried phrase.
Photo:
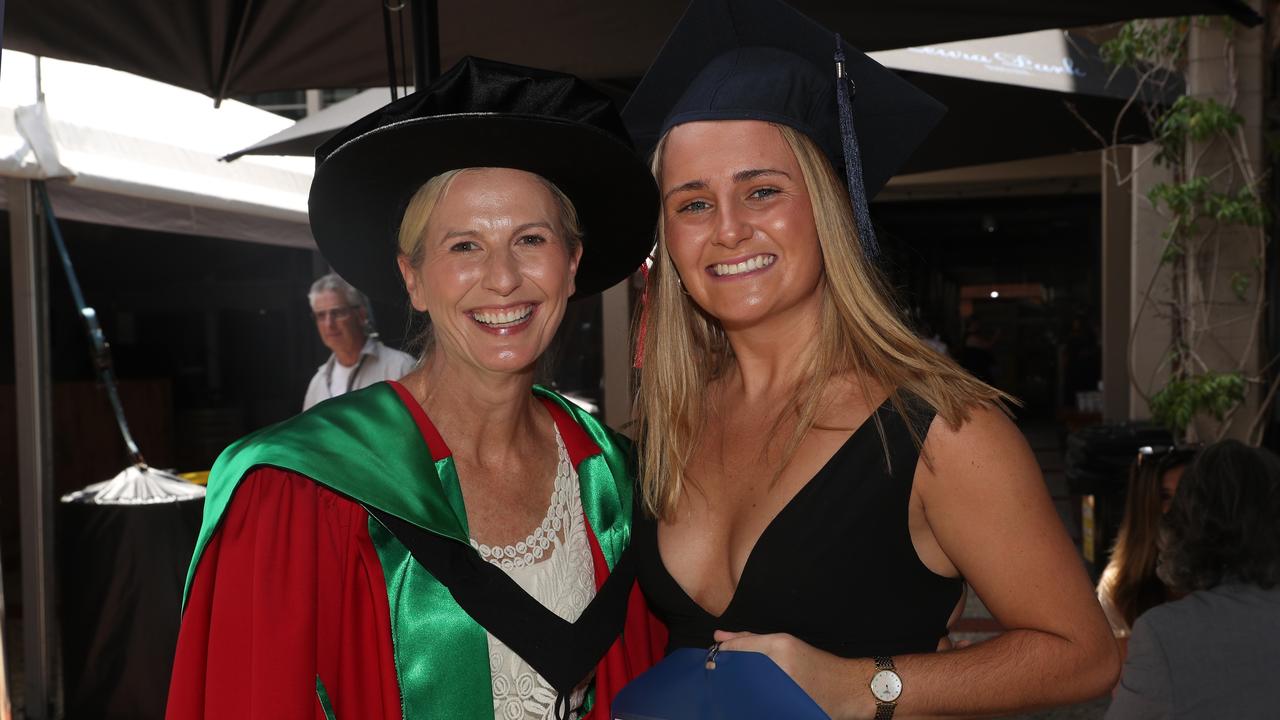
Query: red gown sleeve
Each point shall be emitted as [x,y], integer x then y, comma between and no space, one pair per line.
[289,589]
[641,645]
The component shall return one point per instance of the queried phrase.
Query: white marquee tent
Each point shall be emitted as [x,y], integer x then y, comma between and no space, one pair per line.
[145,155]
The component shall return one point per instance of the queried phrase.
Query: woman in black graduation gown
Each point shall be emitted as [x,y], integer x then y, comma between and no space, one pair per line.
[821,479]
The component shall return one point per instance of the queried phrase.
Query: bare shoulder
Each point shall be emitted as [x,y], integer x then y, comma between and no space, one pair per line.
[985,427]
[986,451]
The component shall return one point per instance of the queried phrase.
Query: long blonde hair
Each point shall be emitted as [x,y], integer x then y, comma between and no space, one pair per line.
[861,330]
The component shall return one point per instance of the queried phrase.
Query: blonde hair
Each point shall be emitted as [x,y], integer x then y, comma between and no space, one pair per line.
[861,330]
[417,215]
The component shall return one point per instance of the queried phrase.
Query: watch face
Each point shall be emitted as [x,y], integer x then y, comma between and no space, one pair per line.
[886,686]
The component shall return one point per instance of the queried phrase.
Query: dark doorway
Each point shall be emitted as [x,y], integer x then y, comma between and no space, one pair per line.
[1009,284]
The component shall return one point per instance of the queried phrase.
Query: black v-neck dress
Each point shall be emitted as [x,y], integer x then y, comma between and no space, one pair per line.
[835,567]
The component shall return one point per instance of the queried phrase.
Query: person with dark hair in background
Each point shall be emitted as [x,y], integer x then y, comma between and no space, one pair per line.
[1216,652]
[1129,585]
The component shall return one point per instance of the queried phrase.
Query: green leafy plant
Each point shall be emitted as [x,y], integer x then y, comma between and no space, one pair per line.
[1195,119]
[1177,403]
[1139,43]
[1213,197]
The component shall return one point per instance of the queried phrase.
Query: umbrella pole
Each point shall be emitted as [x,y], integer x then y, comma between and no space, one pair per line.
[426,42]
[35,444]
[100,350]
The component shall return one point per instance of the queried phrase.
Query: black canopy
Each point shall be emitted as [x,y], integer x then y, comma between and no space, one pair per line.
[226,48]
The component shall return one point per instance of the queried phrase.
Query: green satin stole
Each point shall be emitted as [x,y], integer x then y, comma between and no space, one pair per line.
[366,446]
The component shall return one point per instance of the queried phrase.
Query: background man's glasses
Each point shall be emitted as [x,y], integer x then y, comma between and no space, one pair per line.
[340,313]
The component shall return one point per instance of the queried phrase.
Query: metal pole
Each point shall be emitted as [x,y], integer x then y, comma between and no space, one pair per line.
[426,42]
[615,314]
[35,444]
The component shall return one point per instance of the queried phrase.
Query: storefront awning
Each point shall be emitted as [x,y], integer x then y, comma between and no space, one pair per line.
[1056,60]
[1024,96]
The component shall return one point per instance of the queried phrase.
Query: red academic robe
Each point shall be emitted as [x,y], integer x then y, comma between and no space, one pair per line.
[290,588]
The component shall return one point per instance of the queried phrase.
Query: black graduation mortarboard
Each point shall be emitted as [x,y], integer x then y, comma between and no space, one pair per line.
[483,113]
[764,60]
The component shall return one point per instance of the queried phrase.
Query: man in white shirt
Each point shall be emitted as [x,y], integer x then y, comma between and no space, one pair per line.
[359,359]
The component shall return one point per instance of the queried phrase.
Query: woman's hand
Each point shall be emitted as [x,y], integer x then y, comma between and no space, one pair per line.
[833,682]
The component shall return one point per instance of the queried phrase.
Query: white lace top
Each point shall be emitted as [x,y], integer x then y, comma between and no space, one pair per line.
[554,566]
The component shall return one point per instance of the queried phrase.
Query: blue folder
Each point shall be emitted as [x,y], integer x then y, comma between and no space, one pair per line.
[743,685]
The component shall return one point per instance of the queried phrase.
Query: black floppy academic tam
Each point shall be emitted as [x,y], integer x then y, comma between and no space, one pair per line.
[764,60]
[483,113]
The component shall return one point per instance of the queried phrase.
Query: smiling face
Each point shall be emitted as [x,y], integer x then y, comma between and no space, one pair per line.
[738,222]
[496,270]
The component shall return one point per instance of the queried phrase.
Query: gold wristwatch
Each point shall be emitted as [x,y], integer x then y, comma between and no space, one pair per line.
[886,687]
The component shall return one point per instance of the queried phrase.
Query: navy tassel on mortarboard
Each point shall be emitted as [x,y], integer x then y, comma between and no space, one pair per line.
[852,158]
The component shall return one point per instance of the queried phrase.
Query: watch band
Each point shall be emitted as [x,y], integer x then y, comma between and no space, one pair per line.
[884,710]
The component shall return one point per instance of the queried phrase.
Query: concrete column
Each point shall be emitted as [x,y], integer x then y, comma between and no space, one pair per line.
[1117,244]
[35,446]
[313,101]
[1151,332]
[1224,331]
[1135,335]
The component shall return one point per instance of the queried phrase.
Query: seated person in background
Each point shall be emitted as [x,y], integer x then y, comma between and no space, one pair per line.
[1216,652]
[1129,586]
[358,359]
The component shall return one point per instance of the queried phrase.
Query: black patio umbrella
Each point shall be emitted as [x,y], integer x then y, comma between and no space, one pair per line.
[123,550]
[226,48]
[304,136]
[1006,99]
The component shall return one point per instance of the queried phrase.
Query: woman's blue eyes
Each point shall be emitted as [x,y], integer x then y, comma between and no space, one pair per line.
[463,246]
[532,239]
[701,205]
